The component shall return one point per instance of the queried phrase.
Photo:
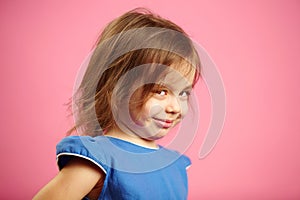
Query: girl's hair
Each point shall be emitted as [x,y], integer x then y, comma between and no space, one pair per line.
[137,38]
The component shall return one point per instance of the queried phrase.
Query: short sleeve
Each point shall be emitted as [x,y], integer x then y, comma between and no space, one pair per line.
[76,146]
[186,161]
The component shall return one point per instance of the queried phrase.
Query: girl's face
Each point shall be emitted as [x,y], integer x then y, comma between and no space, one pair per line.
[166,106]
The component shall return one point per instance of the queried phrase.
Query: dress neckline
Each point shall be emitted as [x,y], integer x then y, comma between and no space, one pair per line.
[132,143]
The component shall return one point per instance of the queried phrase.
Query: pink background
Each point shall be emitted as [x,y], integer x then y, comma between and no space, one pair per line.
[255,45]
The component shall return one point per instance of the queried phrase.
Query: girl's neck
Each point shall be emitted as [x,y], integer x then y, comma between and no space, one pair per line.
[135,139]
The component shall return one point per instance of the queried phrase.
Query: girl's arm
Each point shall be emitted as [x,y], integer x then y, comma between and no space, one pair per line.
[74,181]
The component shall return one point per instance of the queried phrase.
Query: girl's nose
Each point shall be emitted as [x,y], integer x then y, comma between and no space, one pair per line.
[173,105]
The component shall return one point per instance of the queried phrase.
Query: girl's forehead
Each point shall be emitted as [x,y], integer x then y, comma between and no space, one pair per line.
[179,77]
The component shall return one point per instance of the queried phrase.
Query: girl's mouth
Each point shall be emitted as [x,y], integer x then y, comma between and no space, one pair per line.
[164,123]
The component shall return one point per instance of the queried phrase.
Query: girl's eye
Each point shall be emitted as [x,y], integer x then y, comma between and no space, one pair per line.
[185,93]
[162,92]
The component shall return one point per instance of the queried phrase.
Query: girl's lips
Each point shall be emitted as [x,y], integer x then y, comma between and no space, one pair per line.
[164,123]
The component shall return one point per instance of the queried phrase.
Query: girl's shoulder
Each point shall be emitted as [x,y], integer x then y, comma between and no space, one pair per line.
[107,152]
[76,145]
[85,147]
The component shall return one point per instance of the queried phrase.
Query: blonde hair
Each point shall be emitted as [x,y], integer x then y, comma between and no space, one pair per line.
[136,38]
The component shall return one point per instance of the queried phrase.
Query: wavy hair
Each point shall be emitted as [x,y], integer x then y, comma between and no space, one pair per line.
[137,38]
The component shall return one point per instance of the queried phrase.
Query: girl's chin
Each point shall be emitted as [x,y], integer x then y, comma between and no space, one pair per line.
[156,136]
[150,132]
[152,138]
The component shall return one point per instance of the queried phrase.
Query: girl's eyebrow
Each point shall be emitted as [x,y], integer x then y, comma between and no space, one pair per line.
[162,85]
[189,87]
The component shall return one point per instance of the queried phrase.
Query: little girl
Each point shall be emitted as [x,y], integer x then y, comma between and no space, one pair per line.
[135,89]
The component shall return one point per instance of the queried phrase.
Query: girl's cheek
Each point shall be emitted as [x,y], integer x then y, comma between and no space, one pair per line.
[155,109]
[184,108]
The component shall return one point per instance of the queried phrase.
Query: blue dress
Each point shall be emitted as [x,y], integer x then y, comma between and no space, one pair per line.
[132,171]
